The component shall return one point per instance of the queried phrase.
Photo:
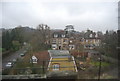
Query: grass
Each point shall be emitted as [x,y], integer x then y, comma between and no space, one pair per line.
[103,64]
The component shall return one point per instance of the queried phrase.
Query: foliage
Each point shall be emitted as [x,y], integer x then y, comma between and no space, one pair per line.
[109,44]
[16,45]
[41,38]
[13,39]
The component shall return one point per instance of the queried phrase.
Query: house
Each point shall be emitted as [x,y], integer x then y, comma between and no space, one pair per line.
[59,41]
[72,43]
[33,59]
[61,62]
[93,54]
[79,54]
[62,41]
[90,40]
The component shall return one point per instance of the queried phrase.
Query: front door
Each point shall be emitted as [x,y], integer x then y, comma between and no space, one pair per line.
[59,47]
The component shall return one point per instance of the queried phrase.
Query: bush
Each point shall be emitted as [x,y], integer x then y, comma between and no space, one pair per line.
[6,72]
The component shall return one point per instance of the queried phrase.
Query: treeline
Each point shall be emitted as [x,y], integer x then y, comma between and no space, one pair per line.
[109,44]
[14,39]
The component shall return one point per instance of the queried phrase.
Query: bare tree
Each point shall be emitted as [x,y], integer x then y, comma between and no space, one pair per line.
[41,38]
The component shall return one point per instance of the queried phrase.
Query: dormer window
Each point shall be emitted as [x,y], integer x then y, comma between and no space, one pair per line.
[91,35]
[96,35]
[55,35]
[63,35]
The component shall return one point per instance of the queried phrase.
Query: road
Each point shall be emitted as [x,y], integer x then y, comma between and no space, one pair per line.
[11,57]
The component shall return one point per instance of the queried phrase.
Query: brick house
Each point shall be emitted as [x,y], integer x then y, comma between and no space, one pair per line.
[59,40]
[90,40]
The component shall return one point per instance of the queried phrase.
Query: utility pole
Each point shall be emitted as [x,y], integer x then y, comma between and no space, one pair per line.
[43,66]
[99,68]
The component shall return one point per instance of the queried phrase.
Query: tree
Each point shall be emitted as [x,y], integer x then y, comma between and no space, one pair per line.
[6,40]
[41,38]
[109,44]
[10,35]
[16,45]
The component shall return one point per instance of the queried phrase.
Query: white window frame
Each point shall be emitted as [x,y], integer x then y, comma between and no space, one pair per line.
[55,35]
[53,41]
[56,67]
[71,41]
[63,35]
[86,40]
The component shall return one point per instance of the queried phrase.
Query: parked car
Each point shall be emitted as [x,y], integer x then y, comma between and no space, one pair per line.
[22,54]
[9,64]
[14,60]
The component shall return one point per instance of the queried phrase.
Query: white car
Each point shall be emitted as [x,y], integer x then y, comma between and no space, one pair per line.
[9,64]
[22,54]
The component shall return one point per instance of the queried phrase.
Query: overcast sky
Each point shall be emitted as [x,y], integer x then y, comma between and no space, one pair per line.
[98,15]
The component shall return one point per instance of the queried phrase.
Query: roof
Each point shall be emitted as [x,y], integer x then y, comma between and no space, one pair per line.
[59,53]
[33,57]
[59,33]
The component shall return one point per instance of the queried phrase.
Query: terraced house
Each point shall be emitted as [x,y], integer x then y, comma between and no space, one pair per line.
[71,40]
[90,40]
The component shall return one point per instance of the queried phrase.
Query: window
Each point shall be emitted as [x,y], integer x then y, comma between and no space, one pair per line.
[54,46]
[56,67]
[63,35]
[65,40]
[71,47]
[53,41]
[90,35]
[70,41]
[55,35]
[91,41]
[86,40]
[34,60]
[59,41]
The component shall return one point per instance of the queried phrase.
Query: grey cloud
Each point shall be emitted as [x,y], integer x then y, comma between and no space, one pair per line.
[97,16]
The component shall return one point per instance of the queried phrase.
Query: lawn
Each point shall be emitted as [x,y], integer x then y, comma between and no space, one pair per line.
[103,64]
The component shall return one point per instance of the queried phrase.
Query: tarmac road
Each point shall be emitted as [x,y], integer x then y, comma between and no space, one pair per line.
[11,57]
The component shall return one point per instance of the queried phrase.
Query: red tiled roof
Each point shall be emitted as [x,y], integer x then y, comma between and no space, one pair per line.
[42,56]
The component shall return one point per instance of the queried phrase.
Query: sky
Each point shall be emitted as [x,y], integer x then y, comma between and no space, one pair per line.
[97,15]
